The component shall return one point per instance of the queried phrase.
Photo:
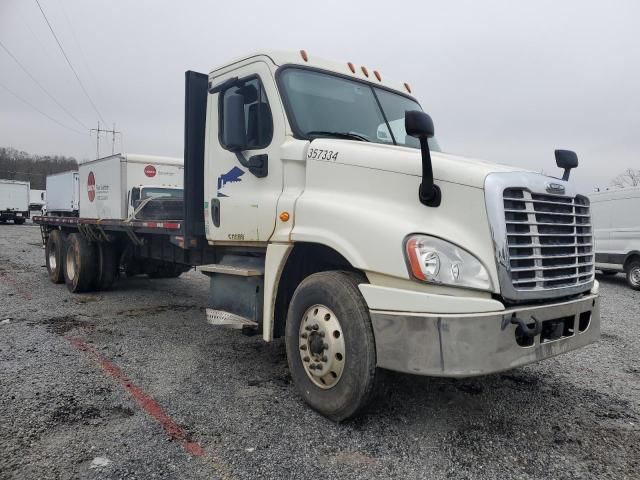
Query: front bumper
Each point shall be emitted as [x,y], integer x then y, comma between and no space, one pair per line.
[464,345]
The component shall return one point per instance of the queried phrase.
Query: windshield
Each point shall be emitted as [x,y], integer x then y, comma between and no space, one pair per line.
[153,192]
[325,105]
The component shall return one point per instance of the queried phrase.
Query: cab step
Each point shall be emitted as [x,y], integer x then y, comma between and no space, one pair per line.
[229,320]
[232,270]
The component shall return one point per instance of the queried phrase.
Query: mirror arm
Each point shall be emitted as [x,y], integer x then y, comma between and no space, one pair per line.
[257,164]
[565,175]
[429,193]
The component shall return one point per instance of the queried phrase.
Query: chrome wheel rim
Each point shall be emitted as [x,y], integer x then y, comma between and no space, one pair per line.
[52,259]
[70,267]
[634,276]
[321,346]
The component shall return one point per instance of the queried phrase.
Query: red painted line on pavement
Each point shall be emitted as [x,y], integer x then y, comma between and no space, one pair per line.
[146,402]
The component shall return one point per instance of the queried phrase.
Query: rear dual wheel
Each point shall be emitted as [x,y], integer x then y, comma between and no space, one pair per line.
[54,255]
[80,264]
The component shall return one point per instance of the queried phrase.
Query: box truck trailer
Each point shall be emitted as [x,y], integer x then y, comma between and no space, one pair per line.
[321,208]
[14,201]
[114,187]
[616,223]
[63,194]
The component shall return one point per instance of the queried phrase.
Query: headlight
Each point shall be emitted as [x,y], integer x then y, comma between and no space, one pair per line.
[433,260]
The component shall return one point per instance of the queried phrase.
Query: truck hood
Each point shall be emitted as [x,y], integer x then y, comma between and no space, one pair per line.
[406,161]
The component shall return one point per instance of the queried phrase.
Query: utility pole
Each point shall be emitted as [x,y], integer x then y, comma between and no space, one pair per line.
[113,133]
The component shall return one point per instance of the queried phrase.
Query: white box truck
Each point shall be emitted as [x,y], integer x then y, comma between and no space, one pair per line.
[616,222]
[63,194]
[322,210]
[114,187]
[37,199]
[14,201]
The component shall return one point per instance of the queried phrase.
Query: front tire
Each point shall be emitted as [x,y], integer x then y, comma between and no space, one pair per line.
[80,264]
[633,275]
[54,256]
[330,345]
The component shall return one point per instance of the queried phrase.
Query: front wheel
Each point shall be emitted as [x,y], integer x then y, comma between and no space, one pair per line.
[633,275]
[330,345]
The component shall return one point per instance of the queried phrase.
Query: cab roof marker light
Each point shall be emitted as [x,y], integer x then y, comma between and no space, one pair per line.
[406,85]
[304,55]
[365,71]
[377,74]
[351,67]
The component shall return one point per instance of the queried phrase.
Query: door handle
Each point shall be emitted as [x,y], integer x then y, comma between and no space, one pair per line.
[215,211]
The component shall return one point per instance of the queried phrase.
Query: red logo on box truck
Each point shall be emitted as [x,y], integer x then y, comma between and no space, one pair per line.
[150,171]
[91,187]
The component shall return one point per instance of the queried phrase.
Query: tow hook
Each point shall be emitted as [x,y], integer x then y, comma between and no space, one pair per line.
[526,330]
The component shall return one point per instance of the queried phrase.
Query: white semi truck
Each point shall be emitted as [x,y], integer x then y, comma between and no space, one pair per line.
[14,201]
[63,194]
[322,209]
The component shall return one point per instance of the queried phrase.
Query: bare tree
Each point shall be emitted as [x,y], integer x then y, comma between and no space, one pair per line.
[629,178]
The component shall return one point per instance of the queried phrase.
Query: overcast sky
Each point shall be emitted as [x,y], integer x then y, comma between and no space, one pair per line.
[503,80]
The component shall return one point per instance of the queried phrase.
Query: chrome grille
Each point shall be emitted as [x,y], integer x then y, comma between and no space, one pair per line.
[549,243]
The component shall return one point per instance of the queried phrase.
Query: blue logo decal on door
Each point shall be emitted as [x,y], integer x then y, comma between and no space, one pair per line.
[232,176]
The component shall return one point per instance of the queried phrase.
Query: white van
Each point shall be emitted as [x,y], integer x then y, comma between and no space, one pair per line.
[616,222]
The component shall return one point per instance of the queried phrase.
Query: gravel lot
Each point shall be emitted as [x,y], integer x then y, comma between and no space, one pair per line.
[66,412]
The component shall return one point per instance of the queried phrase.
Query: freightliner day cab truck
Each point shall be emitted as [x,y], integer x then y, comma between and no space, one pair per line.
[321,207]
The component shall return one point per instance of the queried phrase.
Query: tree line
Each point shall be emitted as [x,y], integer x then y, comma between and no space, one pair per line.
[19,165]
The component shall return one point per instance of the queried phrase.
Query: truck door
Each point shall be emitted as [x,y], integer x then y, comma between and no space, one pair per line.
[242,187]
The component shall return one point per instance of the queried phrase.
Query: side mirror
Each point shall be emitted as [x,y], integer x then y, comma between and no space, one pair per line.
[566,159]
[418,124]
[234,133]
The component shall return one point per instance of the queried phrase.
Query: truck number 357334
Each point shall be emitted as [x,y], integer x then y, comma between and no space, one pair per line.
[318,154]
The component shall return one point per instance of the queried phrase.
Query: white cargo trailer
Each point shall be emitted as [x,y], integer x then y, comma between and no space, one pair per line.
[14,201]
[63,193]
[112,187]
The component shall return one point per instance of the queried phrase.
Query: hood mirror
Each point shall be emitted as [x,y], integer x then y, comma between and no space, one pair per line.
[419,125]
[566,159]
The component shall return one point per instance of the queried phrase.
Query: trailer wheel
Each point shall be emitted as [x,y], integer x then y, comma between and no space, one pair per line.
[80,264]
[633,275]
[108,265]
[18,221]
[54,256]
[330,345]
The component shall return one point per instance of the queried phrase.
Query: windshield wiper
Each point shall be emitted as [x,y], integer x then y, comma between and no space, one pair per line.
[349,135]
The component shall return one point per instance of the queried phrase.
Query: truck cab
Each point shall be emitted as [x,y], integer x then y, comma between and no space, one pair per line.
[140,194]
[446,265]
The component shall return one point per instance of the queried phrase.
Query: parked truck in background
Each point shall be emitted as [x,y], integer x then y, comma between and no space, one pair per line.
[37,200]
[63,194]
[616,222]
[14,201]
[114,187]
[323,210]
